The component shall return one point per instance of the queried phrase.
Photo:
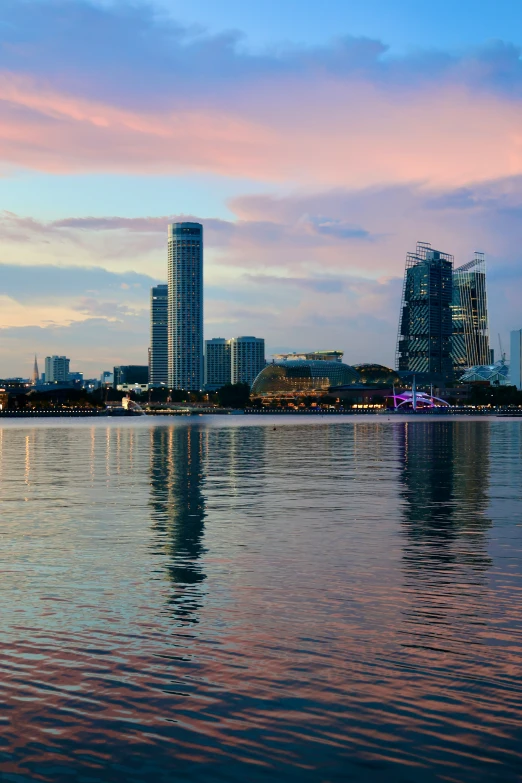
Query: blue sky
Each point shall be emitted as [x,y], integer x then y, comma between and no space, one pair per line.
[317,142]
[405,25]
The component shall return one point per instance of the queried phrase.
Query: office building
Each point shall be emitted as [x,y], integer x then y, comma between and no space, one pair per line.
[425,325]
[185,306]
[217,363]
[56,369]
[470,344]
[516,359]
[106,378]
[247,358]
[129,374]
[159,335]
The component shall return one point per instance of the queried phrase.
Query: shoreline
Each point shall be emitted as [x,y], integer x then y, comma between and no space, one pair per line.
[454,413]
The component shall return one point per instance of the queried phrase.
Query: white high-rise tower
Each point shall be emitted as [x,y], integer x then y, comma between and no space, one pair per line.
[185,306]
[56,369]
[247,356]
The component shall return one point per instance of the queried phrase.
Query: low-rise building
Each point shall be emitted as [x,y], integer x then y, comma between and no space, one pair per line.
[130,374]
[324,356]
[133,387]
[106,378]
[291,378]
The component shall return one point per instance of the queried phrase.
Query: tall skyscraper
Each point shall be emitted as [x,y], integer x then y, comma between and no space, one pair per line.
[56,369]
[470,315]
[159,335]
[217,363]
[185,306]
[425,326]
[247,358]
[515,362]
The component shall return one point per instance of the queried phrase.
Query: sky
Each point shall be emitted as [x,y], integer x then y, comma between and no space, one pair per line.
[317,142]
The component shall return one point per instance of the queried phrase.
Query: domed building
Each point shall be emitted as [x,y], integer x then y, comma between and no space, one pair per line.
[377,374]
[298,376]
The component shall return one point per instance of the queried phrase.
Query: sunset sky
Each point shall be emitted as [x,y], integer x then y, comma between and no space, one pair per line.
[316,142]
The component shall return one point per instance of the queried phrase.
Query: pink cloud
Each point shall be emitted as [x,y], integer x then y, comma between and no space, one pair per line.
[52,131]
[304,270]
[320,265]
[325,132]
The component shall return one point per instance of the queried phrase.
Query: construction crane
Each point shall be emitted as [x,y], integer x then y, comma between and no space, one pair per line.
[502,354]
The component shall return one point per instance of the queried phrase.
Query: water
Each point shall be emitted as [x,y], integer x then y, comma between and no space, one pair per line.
[239,599]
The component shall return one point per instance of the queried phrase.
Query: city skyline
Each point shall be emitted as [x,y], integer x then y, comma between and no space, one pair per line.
[443,328]
[306,222]
[467,328]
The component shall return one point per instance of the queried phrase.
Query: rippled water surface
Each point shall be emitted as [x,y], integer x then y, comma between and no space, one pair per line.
[237,599]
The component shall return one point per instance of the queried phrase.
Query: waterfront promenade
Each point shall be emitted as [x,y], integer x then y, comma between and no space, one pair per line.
[281,412]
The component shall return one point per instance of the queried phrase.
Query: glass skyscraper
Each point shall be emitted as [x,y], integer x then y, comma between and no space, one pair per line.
[470,315]
[425,327]
[185,306]
[159,340]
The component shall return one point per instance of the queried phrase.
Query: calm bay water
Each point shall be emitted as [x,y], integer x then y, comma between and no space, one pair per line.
[240,599]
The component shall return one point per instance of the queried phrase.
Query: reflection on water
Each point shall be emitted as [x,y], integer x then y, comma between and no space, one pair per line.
[246,600]
[445,480]
[446,484]
[176,488]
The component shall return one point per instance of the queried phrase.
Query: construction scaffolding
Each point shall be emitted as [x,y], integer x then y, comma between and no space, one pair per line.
[425,325]
[470,316]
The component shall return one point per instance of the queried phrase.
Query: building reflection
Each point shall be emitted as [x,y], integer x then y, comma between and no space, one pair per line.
[445,474]
[178,513]
[241,459]
[445,485]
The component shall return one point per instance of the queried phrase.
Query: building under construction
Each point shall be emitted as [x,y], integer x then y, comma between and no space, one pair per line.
[424,343]
[470,316]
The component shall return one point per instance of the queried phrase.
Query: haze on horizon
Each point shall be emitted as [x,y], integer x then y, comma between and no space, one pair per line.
[315,148]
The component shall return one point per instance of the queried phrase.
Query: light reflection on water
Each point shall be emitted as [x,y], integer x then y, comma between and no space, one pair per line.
[261,600]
